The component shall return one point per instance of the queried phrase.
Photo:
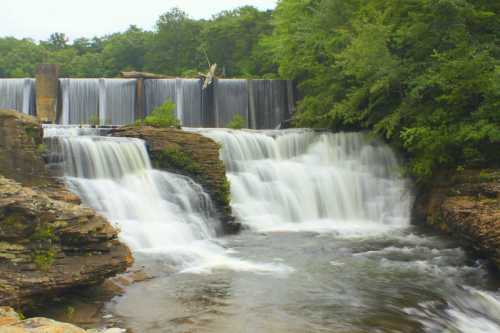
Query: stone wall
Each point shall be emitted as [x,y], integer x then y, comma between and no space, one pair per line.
[465,205]
[190,154]
[48,241]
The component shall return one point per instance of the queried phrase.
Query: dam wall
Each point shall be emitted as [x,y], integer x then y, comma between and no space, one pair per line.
[263,104]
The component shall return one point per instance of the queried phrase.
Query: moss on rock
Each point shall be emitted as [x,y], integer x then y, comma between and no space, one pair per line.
[190,154]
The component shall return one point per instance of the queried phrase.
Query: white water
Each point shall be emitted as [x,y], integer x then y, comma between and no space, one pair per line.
[160,214]
[300,180]
[337,185]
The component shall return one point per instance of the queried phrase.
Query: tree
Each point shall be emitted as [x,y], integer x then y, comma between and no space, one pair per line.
[57,41]
[175,45]
[231,39]
[423,74]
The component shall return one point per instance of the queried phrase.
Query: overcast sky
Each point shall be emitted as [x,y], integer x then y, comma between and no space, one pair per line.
[37,19]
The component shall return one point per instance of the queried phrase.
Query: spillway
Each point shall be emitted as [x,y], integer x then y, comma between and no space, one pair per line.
[97,101]
[18,94]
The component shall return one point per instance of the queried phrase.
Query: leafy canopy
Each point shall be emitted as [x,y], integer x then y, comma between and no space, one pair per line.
[424,74]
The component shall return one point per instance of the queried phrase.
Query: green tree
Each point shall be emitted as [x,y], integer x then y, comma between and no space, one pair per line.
[175,45]
[232,40]
[424,74]
[125,51]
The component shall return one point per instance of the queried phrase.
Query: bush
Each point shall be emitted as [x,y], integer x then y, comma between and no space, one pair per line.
[163,116]
[238,122]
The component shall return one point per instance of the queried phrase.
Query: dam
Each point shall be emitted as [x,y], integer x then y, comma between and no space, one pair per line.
[263,104]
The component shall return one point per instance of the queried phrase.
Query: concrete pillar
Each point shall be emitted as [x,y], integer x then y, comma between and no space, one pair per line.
[140,100]
[47,92]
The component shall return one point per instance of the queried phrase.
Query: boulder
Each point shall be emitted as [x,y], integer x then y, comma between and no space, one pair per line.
[48,241]
[10,322]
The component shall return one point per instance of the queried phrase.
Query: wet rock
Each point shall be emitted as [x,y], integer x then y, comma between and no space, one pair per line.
[190,154]
[48,241]
[11,323]
[467,206]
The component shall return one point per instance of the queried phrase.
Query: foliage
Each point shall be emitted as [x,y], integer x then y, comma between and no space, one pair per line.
[176,159]
[238,122]
[94,120]
[178,46]
[163,116]
[424,74]
[44,259]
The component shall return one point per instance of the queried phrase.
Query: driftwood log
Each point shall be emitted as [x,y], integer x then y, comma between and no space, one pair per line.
[143,75]
[208,78]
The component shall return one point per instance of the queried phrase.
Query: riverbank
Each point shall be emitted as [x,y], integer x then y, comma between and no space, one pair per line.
[466,206]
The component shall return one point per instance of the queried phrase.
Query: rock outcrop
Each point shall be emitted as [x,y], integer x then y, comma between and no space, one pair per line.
[467,206]
[190,154]
[11,322]
[48,241]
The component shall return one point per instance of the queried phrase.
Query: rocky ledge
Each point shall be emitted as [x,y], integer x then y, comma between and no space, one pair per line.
[467,206]
[48,241]
[11,322]
[190,154]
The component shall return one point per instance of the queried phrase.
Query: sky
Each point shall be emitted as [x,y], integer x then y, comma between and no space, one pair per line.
[37,19]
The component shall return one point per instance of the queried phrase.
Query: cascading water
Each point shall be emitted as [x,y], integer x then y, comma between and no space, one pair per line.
[231,98]
[189,108]
[340,211]
[158,91]
[269,103]
[117,101]
[264,104]
[80,101]
[159,213]
[302,180]
[18,94]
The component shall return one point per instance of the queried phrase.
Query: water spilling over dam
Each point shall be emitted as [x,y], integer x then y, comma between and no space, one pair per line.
[263,104]
[18,94]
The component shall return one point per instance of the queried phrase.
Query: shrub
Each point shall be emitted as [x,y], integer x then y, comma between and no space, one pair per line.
[238,122]
[163,116]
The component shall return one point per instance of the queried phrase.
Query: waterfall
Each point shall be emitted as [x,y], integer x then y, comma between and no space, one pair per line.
[303,180]
[117,101]
[160,214]
[189,106]
[231,98]
[108,101]
[80,100]
[269,103]
[157,91]
[185,93]
[264,104]
[18,94]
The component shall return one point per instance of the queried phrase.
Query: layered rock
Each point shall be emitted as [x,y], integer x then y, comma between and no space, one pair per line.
[48,241]
[11,322]
[467,206]
[190,154]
